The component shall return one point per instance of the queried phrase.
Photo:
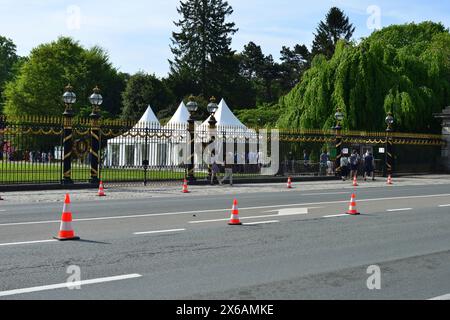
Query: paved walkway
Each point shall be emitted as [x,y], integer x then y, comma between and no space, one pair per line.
[171,189]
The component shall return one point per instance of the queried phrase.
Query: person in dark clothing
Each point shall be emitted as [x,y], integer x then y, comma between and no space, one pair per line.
[369,166]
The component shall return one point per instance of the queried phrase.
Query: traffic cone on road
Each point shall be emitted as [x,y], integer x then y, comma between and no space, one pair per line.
[66,232]
[234,221]
[101,191]
[389,180]
[185,187]
[289,183]
[355,181]
[352,208]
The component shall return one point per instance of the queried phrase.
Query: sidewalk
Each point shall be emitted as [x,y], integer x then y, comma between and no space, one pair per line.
[166,190]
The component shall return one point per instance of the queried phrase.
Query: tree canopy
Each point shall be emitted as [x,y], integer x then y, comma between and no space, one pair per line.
[8,59]
[203,41]
[336,27]
[402,69]
[144,89]
[40,82]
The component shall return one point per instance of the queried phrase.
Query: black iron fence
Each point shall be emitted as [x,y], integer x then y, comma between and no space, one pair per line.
[55,150]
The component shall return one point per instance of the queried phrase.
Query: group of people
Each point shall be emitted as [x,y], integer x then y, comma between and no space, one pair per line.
[350,165]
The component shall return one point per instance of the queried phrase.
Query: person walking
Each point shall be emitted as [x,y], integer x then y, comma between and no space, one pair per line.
[369,166]
[354,162]
[323,163]
[228,172]
[344,166]
[305,159]
[214,172]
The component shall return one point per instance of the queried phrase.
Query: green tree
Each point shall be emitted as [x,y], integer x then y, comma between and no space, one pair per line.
[144,89]
[40,82]
[402,68]
[262,71]
[203,40]
[8,59]
[335,27]
[294,63]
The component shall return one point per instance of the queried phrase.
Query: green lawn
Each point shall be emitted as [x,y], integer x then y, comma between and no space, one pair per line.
[25,172]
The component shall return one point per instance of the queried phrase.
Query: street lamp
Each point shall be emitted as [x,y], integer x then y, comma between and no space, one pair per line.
[389,122]
[338,116]
[389,144]
[212,108]
[96,100]
[69,98]
[192,107]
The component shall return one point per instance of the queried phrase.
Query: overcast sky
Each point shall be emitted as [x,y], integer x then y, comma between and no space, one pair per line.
[136,33]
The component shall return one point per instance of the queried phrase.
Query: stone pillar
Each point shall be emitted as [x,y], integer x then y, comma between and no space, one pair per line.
[445,154]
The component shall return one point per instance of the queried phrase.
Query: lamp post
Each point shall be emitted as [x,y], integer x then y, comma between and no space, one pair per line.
[96,100]
[389,144]
[212,108]
[192,107]
[339,116]
[69,98]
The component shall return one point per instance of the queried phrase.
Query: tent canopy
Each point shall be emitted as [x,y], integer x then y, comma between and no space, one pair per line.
[225,117]
[180,116]
[148,116]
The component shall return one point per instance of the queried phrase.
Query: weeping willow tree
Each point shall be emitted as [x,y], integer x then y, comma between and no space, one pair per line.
[404,69]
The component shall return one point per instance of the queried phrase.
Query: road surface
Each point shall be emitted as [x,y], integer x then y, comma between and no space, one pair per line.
[293,244]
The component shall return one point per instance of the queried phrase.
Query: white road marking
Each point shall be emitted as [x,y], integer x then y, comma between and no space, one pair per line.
[25,242]
[291,211]
[241,218]
[337,215]
[443,297]
[261,222]
[2,210]
[444,205]
[68,284]
[159,231]
[220,210]
[401,209]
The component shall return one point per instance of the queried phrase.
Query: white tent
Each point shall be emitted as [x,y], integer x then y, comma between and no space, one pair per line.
[130,148]
[233,132]
[180,116]
[177,144]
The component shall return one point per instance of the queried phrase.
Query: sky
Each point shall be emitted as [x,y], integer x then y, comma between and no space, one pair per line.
[137,33]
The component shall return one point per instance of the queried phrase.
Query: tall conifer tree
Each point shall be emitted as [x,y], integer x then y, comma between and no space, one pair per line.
[336,27]
[203,40]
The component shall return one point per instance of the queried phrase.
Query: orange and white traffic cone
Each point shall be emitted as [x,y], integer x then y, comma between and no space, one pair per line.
[352,208]
[65,231]
[101,191]
[289,183]
[185,187]
[234,221]
[389,180]
[355,181]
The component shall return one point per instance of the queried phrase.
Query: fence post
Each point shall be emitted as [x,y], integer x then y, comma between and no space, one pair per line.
[337,163]
[96,100]
[68,145]
[389,145]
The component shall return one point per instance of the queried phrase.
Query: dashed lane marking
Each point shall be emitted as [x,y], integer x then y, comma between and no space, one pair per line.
[159,231]
[68,285]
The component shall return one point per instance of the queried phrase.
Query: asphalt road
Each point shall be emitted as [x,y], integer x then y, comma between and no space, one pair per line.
[293,245]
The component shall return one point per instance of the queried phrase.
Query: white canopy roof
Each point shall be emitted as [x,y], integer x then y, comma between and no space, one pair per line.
[148,119]
[225,117]
[148,116]
[180,116]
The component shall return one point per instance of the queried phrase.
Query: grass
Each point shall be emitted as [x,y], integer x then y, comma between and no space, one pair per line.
[26,172]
